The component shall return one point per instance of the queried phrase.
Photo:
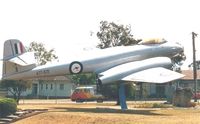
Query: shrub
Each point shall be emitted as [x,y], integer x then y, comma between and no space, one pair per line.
[7,106]
[159,105]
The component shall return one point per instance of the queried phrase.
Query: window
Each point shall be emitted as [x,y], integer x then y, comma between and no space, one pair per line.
[61,86]
[51,86]
[46,86]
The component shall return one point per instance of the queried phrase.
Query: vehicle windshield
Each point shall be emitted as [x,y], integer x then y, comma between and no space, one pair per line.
[153,41]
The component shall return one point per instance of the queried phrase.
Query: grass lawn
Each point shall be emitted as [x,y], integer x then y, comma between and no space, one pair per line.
[107,113]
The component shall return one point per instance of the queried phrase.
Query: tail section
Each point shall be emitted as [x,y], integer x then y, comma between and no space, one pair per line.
[16,59]
[13,48]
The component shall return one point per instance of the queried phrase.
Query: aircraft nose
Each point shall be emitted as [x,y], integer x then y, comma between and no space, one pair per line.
[178,48]
[178,52]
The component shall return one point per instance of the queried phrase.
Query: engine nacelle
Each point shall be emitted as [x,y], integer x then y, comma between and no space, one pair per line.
[121,71]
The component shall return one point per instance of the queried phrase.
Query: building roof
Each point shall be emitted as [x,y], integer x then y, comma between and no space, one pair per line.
[63,78]
[60,78]
[189,74]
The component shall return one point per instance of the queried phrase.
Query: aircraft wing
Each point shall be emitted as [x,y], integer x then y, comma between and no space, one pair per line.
[154,75]
[151,70]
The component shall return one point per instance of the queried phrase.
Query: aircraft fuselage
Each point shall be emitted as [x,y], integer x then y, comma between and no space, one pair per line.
[102,60]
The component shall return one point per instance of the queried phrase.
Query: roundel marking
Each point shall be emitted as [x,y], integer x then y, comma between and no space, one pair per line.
[75,67]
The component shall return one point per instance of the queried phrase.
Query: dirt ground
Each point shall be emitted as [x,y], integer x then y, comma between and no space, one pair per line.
[107,113]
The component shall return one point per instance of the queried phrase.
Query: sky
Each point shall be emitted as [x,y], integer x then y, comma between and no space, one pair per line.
[66,25]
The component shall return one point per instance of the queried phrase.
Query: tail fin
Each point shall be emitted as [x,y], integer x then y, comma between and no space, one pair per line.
[13,48]
[16,59]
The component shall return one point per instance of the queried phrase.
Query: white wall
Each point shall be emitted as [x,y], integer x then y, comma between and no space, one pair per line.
[53,89]
[47,91]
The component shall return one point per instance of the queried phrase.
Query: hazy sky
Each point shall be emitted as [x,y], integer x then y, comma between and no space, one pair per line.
[66,25]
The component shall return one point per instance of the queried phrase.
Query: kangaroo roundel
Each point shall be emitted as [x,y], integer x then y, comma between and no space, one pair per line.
[75,67]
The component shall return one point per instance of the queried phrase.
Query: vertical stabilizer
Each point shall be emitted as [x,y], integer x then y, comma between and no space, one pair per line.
[15,58]
[12,48]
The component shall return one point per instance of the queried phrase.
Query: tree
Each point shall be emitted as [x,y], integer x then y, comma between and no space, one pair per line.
[16,87]
[111,35]
[43,55]
[83,79]
[197,65]
[111,91]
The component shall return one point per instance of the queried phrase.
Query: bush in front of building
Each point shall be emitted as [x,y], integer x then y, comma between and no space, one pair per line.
[111,92]
[7,106]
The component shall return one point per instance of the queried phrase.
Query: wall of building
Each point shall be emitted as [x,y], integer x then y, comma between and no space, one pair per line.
[55,89]
[189,83]
[49,89]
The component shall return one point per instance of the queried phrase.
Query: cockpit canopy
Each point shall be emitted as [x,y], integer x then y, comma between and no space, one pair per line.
[152,41]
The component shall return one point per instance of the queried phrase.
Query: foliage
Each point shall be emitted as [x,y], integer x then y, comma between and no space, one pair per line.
[43,55]
[111,91]
[7,106]
[159,105]
[197,65]
[15,87]
[178,61]
[130,90]
[112,34]
[83,79]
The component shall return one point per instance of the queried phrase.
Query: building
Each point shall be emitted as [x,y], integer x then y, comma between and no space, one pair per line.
[59,87]
[62,87]
[151,90]
[188,80]
[3,92]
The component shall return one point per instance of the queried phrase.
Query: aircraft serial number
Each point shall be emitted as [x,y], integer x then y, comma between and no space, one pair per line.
[42,72]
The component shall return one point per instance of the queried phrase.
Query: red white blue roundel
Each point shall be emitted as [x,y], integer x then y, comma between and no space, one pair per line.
[75,68]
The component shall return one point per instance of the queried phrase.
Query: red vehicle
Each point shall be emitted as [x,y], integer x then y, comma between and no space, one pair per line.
[197,95]
[82,94]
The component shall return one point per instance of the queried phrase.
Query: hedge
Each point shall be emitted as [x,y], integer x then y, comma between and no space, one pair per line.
[7,106]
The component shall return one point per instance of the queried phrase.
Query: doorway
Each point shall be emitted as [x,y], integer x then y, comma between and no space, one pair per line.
[34,89]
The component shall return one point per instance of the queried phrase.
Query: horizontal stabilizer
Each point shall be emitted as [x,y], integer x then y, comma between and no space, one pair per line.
[24,59]
[154,75]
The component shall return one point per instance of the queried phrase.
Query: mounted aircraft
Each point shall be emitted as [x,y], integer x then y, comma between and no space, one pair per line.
[151,58]
[149,61]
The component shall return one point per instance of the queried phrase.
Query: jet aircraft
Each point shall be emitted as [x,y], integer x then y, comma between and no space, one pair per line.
[149,61]
[132,63]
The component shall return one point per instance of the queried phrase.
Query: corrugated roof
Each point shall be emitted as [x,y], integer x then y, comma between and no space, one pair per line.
[189,74]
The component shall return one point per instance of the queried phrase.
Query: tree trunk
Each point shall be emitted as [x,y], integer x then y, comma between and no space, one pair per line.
[141,91]
[15,98]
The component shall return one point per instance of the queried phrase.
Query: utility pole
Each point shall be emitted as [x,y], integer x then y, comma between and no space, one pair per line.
[194,65]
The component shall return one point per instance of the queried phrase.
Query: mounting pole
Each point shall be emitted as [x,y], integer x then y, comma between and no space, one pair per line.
[122,96]
[194,65]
